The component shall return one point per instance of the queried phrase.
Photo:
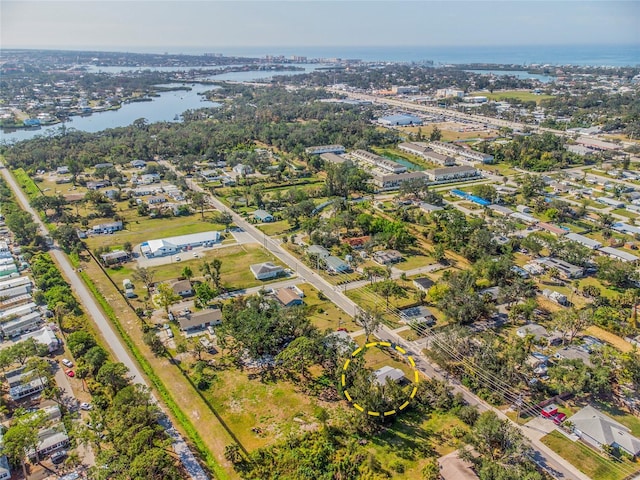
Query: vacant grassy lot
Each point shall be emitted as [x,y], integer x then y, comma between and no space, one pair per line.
[275,228]
[143,229]
[587,460]
[521,95]
[451,131]
[414,261]
[324,314]
[235,271]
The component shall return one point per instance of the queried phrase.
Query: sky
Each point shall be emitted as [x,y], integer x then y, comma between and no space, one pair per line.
[164,25]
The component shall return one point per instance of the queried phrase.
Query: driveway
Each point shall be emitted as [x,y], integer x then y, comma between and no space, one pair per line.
[539,427]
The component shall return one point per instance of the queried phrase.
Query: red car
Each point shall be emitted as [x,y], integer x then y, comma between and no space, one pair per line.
[70,373]
[559,418]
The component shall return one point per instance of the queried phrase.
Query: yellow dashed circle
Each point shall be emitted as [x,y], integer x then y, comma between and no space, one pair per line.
[412,363]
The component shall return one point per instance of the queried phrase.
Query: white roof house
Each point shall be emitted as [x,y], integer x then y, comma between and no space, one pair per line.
[598,429]
[619,254]
[171,245]
[45,336]
[387,372]
[586,241]
[263,271]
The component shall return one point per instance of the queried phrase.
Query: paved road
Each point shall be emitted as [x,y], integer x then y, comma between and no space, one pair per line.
[544,456]
[93,310]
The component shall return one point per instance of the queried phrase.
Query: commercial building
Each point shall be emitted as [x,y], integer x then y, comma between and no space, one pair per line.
[392,181]
[171,245]
[401,120]
[378,161]
[320,149]
[448,174]
[470,155]
[332,158]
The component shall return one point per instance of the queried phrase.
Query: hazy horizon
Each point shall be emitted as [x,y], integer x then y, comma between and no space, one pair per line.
[114,25]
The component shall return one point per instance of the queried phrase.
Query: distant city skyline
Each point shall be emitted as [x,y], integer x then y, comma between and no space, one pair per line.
[172,25]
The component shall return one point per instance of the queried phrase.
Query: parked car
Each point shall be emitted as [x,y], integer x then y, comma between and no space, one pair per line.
[178,259]
[559,418]
[85,406]
[58,457]
[66,362]
[70,373]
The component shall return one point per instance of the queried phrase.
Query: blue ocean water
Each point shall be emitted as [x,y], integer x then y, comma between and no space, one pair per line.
[612,55]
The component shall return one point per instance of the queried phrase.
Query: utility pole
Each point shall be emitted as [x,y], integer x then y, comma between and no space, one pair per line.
[519,405]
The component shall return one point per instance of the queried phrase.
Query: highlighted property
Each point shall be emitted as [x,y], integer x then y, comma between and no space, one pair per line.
[408,358]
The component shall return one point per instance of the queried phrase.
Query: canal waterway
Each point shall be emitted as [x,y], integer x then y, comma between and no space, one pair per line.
[167,107]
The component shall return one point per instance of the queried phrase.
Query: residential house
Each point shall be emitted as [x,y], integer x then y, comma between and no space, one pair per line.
[50,440]
[183,288]
[423,283]
[318,251]
[23,384]
[106,228]
[538,331]
[288,297]
[138,163]
[388,373]
[263,216]
[566,269]
[428,208]
[45,336]
[199,320]
[598,429]
[241,169]
[557,297]
[387,257]
[620,255]
[582,240]
[115,257]
[549,227]
[336,265]
[25,323]
[573,353]
[265,271]
[447,174]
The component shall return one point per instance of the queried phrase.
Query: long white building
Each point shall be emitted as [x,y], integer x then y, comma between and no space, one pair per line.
[470,155]
[378,161]
[171,245]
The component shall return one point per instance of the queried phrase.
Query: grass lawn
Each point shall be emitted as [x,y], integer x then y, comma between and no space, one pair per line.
[451,131]
[324,314]
[412,439]
[414,261]
[523,96]
[368,299]
[625,213]
[144,229]
[234,272]
[614,340]
[200,415]
[275,228]
[587,460]
[245,404]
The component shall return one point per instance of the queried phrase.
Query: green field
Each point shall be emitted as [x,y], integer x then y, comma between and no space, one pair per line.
[513,94]
[138,231]
[589,461]
[234,272]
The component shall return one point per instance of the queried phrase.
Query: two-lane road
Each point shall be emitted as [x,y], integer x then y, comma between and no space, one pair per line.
[93,310]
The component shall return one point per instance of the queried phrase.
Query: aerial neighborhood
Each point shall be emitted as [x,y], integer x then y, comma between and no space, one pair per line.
[365,269]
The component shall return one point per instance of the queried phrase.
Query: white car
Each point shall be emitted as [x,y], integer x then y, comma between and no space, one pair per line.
[66,362]
[85,406]
[178,259]
[195,254]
